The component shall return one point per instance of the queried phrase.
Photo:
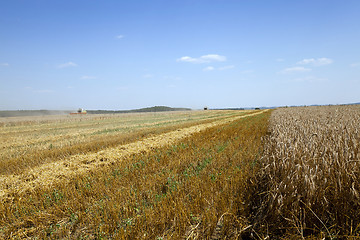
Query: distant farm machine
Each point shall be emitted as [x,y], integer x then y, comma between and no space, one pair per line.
[79,111]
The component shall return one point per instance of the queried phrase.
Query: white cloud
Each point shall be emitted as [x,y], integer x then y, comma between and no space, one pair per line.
[316,62]
[203,59]
[68,64]
[4,64]
[226,67]
[120,36]
[85,77]
[310,79]
[294,70]
[213,58]
[209,68]
[355,64]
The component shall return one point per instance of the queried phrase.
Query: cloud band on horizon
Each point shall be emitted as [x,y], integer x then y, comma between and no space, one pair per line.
[203,59]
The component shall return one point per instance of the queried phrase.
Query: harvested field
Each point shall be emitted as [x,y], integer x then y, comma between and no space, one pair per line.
[27,142]
[44,201]
[48,174]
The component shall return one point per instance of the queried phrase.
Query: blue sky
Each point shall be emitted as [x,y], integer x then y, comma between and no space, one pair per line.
[63,54]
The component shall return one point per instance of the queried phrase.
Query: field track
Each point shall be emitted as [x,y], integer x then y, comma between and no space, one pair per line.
[47,174]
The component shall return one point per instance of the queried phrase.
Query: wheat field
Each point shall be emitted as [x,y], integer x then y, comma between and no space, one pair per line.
[309,181]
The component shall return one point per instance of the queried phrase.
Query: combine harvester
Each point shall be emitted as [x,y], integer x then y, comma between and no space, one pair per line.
[79,111]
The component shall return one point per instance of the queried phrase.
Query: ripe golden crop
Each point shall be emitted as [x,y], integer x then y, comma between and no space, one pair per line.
[309,182]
